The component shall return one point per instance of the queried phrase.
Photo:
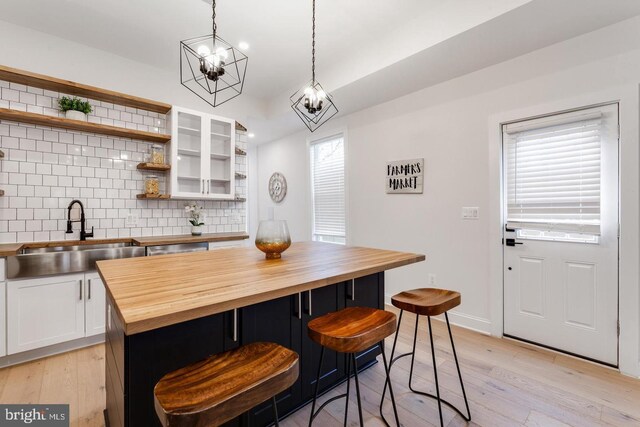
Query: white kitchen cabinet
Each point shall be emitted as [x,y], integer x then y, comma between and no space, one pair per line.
[95,303]
[44,311]
[3,317]
[202,151]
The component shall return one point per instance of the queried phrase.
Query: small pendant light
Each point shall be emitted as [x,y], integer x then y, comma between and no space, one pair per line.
[311,103]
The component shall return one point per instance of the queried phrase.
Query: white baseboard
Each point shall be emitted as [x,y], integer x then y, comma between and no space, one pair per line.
[467,321]
[38,353]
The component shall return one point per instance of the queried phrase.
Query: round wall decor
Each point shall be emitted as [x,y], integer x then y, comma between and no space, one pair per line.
[277,187]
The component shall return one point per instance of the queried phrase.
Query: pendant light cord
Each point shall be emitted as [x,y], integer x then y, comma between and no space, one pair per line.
[213,18]
[313,45]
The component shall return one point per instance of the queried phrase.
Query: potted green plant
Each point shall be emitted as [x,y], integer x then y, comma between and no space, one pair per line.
[74,108]
[196,218]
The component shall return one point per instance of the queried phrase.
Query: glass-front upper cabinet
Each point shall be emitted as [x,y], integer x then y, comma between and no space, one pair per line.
[202,156]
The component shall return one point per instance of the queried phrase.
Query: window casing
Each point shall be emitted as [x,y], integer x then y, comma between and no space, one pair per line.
[327,166]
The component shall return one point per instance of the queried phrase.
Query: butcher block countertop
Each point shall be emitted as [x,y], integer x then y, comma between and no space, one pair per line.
[153,292]
[9,249]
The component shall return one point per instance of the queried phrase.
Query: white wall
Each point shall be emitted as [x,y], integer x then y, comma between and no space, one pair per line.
[453,126]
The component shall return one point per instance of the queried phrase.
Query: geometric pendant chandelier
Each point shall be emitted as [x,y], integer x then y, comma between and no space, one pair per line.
[311,103]
[212,68]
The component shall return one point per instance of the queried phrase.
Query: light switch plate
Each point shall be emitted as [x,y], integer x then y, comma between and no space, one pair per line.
[471,213]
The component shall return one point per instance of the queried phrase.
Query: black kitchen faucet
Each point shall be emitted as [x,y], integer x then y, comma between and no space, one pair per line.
[83,233]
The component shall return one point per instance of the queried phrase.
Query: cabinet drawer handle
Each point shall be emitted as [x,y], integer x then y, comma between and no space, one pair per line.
[208,186]
[80,283]
[203,186]
[299,308]
[109,316]
[89,290]
[235,325]
[353,290]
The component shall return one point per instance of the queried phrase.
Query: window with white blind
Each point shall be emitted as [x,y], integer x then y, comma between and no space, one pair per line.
[328,190]
[553,174]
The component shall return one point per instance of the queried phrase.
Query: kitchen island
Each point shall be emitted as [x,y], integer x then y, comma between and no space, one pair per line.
[168,311]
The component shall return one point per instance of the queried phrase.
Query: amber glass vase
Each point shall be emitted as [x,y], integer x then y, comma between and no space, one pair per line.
[273,238]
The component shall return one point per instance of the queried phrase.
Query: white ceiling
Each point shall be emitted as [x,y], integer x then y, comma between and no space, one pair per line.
[368,51]
[354,37]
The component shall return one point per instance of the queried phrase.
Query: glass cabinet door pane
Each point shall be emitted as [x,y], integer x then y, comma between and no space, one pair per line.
[220,148]
[189,153]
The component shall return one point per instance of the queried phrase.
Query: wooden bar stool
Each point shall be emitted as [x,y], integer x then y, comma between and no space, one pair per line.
[224,386]
[428,302]
[350,331]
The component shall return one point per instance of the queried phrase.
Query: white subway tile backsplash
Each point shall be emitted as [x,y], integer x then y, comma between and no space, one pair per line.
[43,101]
[17,225]
[25,236]
[10,94]
[51,136]
[44,169]
[27,98]
[49,158]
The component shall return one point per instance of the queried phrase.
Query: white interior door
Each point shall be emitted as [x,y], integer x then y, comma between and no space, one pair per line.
[561,232]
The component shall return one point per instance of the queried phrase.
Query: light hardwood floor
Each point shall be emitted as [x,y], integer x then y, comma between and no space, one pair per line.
[508,384]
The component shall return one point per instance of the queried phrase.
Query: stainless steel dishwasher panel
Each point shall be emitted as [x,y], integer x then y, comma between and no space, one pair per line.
[177,249]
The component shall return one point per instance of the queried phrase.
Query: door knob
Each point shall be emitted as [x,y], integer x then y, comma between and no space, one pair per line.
[511,242]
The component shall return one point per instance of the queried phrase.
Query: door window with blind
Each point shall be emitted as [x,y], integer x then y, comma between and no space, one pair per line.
[328,190]
[555,183]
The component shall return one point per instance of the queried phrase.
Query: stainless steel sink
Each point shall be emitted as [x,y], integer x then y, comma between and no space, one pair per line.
[66,259]
[75,248]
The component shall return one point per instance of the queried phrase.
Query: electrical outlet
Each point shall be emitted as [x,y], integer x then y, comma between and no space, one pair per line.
[131,221]
[432,279]
[470,213]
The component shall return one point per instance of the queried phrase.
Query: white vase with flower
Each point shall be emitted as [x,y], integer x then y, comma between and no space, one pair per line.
[196,218]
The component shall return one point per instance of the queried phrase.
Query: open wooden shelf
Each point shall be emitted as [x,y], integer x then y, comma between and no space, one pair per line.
[240,199]
[240,152]
[240,175]
[1,193]
[153,167]
[240,128]
[60,122]
[153,196]
[42,81]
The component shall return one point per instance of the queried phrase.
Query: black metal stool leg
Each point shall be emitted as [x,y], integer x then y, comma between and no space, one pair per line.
[435,371]
[346,405]
[393,350]
[275,411]
[355,374]
[455,356]
[413,355]
[440,400]
[315,394]
[387,369]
